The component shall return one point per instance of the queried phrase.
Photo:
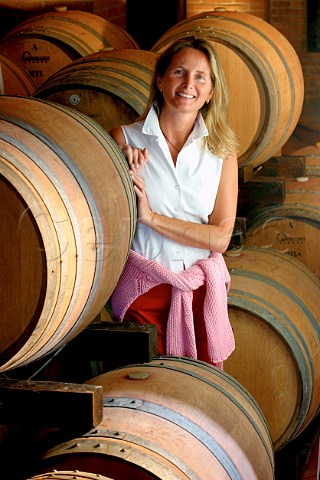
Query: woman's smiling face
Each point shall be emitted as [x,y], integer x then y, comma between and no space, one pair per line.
[186,84]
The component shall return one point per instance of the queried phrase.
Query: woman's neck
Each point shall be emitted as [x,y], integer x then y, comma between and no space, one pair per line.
[176,129]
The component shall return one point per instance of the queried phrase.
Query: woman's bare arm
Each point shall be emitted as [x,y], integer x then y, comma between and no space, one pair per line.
[214,236]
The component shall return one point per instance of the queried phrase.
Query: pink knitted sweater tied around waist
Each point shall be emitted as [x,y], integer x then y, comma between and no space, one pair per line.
[141,274]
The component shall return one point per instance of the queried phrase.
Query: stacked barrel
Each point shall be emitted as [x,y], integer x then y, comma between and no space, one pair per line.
[69,219]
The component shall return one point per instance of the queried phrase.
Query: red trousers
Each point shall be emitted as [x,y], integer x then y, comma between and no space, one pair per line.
[153,307]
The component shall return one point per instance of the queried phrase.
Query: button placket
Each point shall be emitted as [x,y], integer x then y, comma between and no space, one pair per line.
[178,201]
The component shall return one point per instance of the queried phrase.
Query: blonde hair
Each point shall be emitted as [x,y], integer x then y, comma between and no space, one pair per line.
[221,140]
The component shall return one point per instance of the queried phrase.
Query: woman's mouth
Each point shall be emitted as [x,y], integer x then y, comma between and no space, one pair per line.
[185,95]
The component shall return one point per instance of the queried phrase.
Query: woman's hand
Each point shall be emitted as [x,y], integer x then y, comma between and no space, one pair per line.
[136,157]
[145,214]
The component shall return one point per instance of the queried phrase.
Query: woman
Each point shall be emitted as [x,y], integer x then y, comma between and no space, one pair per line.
[183,163]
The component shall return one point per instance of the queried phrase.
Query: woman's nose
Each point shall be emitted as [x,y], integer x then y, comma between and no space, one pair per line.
[187,81]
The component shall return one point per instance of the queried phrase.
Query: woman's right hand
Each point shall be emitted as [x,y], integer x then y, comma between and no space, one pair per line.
[136,157]
[145,214]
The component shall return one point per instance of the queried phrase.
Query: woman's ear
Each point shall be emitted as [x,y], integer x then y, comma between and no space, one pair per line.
[210,95]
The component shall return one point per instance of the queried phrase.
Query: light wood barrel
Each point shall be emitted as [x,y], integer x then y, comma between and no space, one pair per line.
[172,418]
[14,79]
[292,227]
[14,12]
[67,222]
[45,43]
[112,87]
[68,475]
[263,74]
[30,5]
[259,9]
[307,151]
[274,312]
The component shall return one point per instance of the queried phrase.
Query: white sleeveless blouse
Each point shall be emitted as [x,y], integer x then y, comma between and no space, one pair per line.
[186,191]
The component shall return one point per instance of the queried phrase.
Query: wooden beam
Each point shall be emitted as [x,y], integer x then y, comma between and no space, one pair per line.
[118,343]
[51,404]
[286,167]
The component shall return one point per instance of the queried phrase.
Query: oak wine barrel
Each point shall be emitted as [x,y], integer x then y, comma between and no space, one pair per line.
[274,312]
[259,9]
[43,5]
[14,79]
[68,475]
[45,43]
[172,418]
[14,12]
[292,227]
[263,74]
[67,222]
[112,87]
[307,151]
